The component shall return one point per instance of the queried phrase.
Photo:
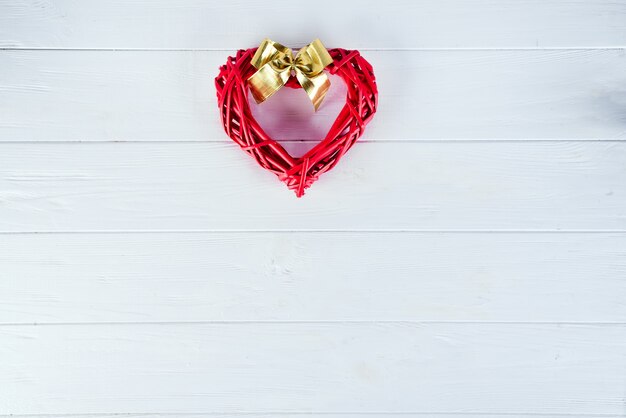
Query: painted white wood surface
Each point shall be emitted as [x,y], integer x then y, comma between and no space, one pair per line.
[309,414]
[314,367]
[364,24]
[170,95]
[200,186]
[469,265]
[87,278]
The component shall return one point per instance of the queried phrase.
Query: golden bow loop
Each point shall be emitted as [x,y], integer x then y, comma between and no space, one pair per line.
[275,63]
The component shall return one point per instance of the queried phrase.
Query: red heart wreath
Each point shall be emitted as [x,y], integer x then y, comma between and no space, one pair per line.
[297,173]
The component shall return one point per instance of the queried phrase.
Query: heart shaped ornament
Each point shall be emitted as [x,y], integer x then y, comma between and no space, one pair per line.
[264,70]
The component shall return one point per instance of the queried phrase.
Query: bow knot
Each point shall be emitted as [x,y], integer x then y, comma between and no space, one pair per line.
[275,63]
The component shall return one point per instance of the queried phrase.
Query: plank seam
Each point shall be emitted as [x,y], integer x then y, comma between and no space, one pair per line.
[310,413]
[234,48]
[321,231]
[314,322]
[360,141]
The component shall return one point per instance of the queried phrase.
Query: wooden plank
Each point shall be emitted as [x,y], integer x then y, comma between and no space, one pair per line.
[378,186]
[299,414]
[313,367]
[170,96]
[84,278]
[366,24]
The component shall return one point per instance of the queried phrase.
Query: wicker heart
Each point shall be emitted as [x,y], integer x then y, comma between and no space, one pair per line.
[297,173]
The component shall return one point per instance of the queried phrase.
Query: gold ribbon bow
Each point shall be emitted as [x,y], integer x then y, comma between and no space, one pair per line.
[275,63]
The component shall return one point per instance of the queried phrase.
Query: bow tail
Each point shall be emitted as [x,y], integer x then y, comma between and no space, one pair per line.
[315,87]
[267,81]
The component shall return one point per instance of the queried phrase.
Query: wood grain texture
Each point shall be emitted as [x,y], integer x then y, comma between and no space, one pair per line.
[366,24]
[433,186]
[169,95]
[467,264]
[85,278]
[314,367]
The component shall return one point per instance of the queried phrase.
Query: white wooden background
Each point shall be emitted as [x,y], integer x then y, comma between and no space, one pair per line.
[471,263]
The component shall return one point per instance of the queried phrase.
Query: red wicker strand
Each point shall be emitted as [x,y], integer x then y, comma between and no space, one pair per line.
[297,173]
